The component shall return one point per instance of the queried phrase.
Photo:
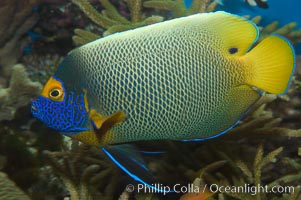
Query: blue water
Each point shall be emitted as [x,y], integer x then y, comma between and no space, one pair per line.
[284,11]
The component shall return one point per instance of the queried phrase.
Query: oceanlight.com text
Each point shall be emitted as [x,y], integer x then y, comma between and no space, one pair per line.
[213,188]
[250,189]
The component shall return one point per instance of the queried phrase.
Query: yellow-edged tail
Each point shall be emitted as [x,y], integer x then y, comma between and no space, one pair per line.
[271,65]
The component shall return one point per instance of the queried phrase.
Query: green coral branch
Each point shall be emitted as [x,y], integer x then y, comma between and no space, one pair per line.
[245,170]
[261,162]
[112,12]
[257,168]
[83,170]
[135,7]
[296,81]
[285,179]
[290,177]
[205,171]
[9,190]
[202,6]
[111,20]
[82,36]
[229,160]
[296,194]
[270,157]
[124,27]
[199,6]
[178,9]
[252,177]
[287,30]
[261,124]
[211,6]
[93,14]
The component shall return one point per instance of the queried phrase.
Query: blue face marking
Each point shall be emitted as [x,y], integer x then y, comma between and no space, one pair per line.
[69,115]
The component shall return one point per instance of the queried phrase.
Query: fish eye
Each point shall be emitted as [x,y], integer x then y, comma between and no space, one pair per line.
[233,50]
[55,94]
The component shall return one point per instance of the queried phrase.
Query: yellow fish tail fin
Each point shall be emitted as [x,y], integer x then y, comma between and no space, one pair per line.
[271,65]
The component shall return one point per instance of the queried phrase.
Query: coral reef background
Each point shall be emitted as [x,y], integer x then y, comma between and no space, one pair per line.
[38,163]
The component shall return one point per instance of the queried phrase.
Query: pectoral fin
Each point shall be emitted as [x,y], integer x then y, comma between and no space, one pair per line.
[129,160]
[103,124]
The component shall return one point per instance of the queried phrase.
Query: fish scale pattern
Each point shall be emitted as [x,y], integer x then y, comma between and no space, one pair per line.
[170,81]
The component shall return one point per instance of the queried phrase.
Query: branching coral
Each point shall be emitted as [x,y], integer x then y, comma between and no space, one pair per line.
[236,168]
[17,17]
[86,171]
[8,189]
[261,125]
[111,20]
[178,9]
[287,30]
[19,93]
[246,178]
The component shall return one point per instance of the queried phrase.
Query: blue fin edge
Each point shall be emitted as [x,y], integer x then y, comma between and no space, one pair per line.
[152,152]
[136,178]
[214,136]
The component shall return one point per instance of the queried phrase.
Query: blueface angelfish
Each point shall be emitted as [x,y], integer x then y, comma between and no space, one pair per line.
[189,78]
